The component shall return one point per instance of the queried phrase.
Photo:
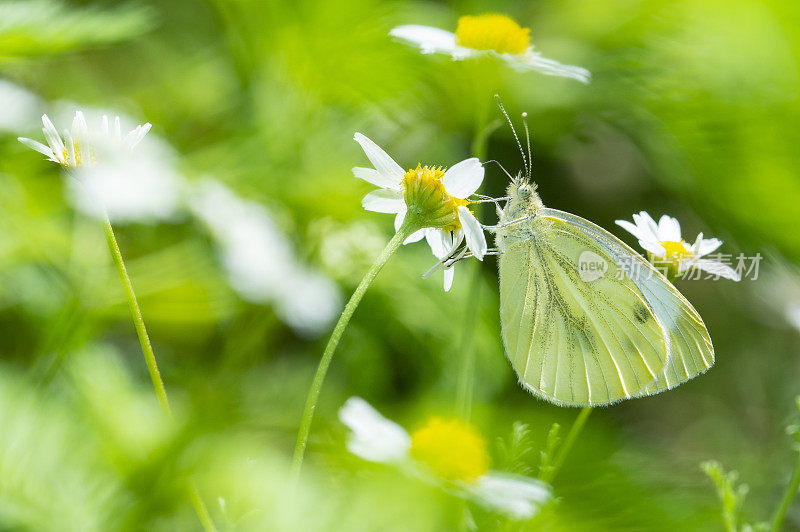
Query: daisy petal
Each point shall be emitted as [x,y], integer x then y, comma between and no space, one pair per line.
[463,179]
[401,215]
[449,273]
[534,61]
[135,137]
[374,177]
[38,146]
[513,495]
[635,230]
[653,247]
[707,245]
[383,201]
[473,232]
[646,223]
[383,163]
[429,39]
[373,437]
[441,242]
[416,236]
[669,229]
[716,268]
[52,136]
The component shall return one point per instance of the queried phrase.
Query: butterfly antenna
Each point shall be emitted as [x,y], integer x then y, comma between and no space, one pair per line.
[514,131]
[528,142]
[501,168]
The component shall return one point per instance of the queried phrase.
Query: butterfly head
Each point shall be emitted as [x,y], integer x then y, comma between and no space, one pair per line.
[522,199]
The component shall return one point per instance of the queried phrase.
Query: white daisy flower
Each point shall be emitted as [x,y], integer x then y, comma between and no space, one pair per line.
[487,34]
[79,145]
[450,453]
[438,197]
[109,179]
[663,240]
[260,261]
[19,108]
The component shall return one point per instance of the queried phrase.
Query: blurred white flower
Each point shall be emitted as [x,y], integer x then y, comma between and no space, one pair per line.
[663,241]
[793,314]
[79,146]
[346,250]
[308,302]
[260,261]
[450,453]
[130,189]
[19,108]
[487,34]
[109,178]
[442,195]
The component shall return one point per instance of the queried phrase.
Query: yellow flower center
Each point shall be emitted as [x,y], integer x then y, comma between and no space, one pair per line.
[427,198]
[453,449]
[79,156]
[675,250]
[492,32]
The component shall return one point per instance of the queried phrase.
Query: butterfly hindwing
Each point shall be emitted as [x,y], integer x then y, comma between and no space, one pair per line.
[574,341]
[689,347]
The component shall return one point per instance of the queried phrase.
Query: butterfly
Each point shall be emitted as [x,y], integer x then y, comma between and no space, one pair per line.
[585,319]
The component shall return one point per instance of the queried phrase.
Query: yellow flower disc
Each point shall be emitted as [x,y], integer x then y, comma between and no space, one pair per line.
[452,449]
[426,198]
[492,32]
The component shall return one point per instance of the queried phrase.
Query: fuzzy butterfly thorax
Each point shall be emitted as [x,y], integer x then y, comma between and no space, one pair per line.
[523,202]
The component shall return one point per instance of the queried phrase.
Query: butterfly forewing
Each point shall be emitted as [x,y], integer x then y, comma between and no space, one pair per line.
[689,347]
[575,339]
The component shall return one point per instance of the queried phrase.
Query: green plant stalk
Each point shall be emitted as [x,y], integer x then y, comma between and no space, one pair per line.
[569,442]
[788,496]
[138,321]
[409,226]
[466,372]
[150,357]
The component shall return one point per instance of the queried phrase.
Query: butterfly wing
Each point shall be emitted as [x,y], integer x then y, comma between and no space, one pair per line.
[689,349]
[572,341]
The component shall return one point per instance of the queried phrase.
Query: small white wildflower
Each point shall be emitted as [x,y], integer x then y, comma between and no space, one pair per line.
[663,241]
[19,108]
[487,34]
[437,197]
[110,180]
[260,262]
[450,453]
[79,145]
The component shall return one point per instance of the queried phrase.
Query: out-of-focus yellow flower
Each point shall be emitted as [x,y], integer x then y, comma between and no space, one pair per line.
[451,453]
[487,34]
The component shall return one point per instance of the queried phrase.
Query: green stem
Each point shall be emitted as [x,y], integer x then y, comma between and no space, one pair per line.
[408,227]
[466,353]
[786,501]
[569,442]
[201,510]
[138,321]
[150,357]
[466,373]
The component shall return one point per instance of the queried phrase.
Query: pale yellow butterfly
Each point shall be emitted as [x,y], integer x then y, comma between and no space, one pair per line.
[585,319]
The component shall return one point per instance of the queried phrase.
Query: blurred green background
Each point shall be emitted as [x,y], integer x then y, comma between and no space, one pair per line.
[693,111]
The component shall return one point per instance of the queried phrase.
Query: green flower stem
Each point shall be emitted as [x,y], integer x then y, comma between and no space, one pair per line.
[786,501]
[409,226]
[150,358]
[466,373]
[466,352]
[569,442]
[138,321]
